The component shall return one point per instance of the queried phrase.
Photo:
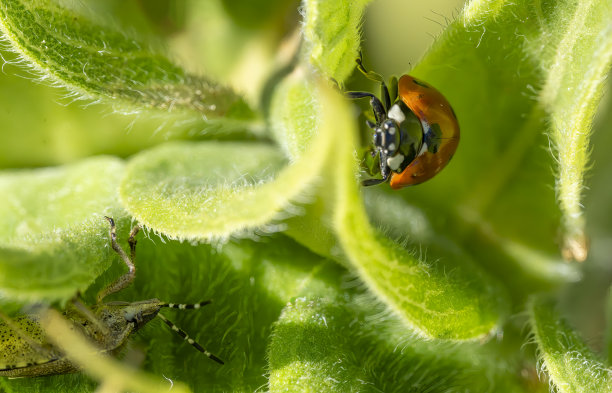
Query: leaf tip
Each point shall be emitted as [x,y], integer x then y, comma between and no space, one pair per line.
[575,247]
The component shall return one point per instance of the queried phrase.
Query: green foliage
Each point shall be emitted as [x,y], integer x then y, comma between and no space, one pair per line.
[60,44]
[175,188]
[53,240]
[331,35]
[366,289]
[571,365]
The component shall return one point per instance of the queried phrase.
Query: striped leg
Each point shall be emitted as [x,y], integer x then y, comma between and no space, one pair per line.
[183,334]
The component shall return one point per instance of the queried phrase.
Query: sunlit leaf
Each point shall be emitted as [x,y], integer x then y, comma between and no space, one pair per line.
[54,238]
[571,365]
[96,62]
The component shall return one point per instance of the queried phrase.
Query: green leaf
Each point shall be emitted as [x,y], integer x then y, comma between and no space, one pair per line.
[520,48]
[248,282]
[571,365]
[445,299]
[54,238]
[95,62]
[450,300]
[215,190]
[294,114]
[39,131]
[310,350]
[576,61]
[347,343]
[331,34]
[206,190]
[608,336]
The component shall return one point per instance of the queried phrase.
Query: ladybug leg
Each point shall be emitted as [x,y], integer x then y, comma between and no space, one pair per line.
[375,182]
[372,182]
[371,75]
[384,171]
[380,113]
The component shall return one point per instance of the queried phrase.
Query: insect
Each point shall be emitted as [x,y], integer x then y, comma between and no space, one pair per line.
[416,131]
[25,351]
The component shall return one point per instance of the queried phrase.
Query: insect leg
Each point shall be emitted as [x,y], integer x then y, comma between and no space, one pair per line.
[128,277]
[377,78]
[132,243]
[380,113]
[384,171]
[191,341]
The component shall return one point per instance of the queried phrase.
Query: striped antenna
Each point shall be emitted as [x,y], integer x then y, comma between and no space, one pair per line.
[184,334]
[194,306]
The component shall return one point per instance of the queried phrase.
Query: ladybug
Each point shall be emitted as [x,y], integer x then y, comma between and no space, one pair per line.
[414,137]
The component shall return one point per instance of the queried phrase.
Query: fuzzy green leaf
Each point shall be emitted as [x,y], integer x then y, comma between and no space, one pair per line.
[608,332]
[450,300]
[576,59]
[435,299]
[215,190]
[54,238]
[347,343]
[546,61]
[37,131]
[331,33]
[203,191]
[311,352]
[437,259]
[571,365]
[95,62]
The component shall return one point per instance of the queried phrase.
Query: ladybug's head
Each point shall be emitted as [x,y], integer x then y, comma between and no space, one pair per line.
[387,137]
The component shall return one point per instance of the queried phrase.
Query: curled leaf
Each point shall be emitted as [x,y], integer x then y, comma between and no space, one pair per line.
[54,239]
[576,63]
[443,299]
[96,62]
[331,33]
[571,365]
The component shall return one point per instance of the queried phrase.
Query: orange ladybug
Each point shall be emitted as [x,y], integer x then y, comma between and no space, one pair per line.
[415,137]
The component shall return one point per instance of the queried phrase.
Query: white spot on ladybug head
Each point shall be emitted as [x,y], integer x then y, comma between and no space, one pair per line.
[392,147]
[395,161]
[396,114]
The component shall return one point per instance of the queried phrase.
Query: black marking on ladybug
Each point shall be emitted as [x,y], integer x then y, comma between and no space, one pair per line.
[421,83]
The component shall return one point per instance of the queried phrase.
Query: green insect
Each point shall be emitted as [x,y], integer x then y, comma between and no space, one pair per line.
[25,351]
